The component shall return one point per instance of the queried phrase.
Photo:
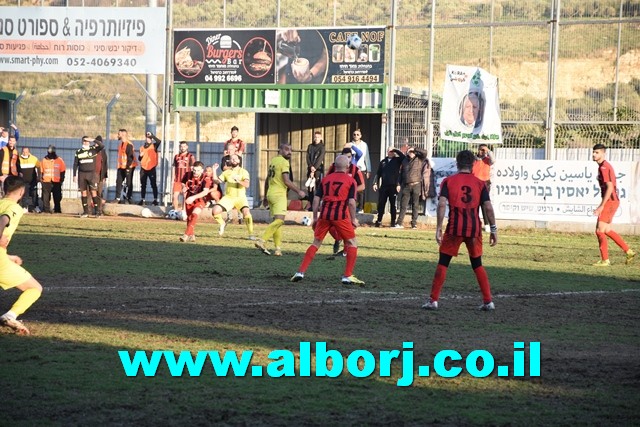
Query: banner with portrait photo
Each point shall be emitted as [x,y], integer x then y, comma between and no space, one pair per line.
[470,110]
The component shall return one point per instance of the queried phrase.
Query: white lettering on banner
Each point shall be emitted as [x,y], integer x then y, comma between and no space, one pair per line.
[125,40]
[552,190]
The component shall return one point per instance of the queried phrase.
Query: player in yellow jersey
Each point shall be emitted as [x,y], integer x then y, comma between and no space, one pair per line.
[236,182]
[12,275]
[276,186]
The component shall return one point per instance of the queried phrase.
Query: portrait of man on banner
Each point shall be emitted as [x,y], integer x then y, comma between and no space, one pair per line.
[470,106]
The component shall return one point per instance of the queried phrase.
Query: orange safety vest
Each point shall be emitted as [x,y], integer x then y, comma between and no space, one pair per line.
[482,170]
[50,169]
[10,162]
[149,157]
[122,155]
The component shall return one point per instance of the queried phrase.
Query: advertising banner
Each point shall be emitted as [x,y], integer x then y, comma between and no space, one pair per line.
[552,190]
[470,106]
[111,40]
[287,56]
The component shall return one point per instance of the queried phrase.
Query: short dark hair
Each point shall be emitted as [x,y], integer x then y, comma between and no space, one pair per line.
[12,183]
[86,137]
[198,163]
[122,130]
[183,142]
[346,150]
[465,159]
[234,128]
[599,147]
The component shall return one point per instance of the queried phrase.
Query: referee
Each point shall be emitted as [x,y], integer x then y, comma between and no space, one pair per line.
[84,173]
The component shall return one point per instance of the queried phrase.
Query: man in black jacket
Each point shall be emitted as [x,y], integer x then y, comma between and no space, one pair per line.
[411,180]
[315,164]
[84,173]
[389,173]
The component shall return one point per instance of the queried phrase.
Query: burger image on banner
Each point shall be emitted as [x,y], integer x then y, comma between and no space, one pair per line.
[189,58]
[258,57]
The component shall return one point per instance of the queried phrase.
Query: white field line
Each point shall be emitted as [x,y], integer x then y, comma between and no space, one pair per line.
[384,296]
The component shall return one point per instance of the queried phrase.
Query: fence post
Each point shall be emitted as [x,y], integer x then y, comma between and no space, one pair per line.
[107,134]
[14,106]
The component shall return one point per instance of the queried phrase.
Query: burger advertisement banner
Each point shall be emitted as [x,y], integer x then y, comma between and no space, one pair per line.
[283,56]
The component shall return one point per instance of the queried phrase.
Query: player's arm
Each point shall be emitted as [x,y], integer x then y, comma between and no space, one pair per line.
[605,197]
[4,222]
[359,178]
[377,177]
[291,185]
[442,209]
[352,212]
[488,209]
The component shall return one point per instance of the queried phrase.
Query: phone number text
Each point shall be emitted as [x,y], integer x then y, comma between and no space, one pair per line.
[366,78]
[101,62]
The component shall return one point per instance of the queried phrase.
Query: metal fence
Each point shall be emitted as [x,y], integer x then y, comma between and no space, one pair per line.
[568,70]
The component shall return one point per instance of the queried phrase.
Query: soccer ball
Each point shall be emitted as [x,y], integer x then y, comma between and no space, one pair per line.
[173,214]
[146,213]
[354,41]
[306,220]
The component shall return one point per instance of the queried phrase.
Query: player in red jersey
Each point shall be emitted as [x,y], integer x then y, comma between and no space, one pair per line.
[182,163]
[334,206]
[607,209]
[465,194]
[196,187]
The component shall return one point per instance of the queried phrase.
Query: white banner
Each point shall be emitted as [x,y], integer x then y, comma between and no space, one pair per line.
[470,109]
[111,40]
[552,190]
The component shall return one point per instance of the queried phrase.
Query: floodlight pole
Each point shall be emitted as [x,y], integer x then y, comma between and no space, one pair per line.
[14,107]
[110,106]
[432,43]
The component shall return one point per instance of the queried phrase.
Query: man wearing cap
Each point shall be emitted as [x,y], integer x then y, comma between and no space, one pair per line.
[84,173]
[389,173]
[52,171]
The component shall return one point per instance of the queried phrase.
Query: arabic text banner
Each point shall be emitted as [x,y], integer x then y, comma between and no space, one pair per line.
[553,190]
[123,40]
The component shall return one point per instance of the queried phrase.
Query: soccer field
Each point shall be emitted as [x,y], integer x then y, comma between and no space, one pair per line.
[128,284]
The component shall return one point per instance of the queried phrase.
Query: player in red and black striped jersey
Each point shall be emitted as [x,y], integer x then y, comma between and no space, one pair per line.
[607,209]
[334,206]
[196,186]
[465,194]
[182,163]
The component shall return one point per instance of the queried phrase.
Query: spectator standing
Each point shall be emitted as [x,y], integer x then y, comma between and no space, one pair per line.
[9,159]
[482,171]
[30,168]
[5,133]
[12,274]
[363,163]
[464,193]
[84,173]
[236,141]
[52,172]
[102,168]
[182,164]
[389,175]
[412,176]
[125,167]
[315,164]
[148,162]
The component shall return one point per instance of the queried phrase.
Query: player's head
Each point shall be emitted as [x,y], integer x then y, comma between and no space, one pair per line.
[234,131]
[465,160]
[25,152]
[598,153]
[285,151]
[11,142]
[342,163]
[234,160]
[184,147]
[123,135]
[208,171]
[86,142]
[51,149]
[390,152]
[198,168]
[13,186]
[231,148]
[357,134]
[483,149]
[346,151]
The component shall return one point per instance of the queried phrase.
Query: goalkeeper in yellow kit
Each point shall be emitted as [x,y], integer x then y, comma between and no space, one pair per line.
[276,186]
[12,275]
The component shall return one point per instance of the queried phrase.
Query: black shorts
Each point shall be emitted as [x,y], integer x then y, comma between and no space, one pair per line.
[87,181]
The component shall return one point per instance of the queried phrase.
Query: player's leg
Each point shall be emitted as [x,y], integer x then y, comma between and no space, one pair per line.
[319,232]
[120,174]
[474,247]
[217,210]
[83,186]
[154,185]
[129,178]
[601,233]
[46,196]
[12,273]
[382,202]
[248,219]
[448,249]
[143,185]
[392,204]
[278,209]
[415,204]
[405,195]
